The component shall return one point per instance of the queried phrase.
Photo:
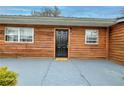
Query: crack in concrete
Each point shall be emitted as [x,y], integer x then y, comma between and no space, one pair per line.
[42,81]
[89,84]
[85,79]
[48,69]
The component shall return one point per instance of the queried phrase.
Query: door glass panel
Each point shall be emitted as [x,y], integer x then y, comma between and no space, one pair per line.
[61,43]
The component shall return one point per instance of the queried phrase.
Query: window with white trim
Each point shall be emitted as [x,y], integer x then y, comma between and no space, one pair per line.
[19,34]
[91,36]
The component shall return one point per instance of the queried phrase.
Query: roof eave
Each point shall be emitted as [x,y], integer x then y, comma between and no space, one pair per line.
[56,21]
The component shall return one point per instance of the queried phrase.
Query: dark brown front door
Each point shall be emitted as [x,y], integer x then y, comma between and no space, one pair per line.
[61,43]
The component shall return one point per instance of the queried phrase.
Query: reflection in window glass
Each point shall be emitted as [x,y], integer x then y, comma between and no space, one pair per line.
[91,36]
[15,34]
[12,34]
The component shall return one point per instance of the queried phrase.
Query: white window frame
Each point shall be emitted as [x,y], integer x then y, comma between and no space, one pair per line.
[18,35]
[97,41]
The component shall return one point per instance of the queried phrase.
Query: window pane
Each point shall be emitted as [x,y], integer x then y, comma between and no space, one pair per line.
[94,33]
[26,34]
[11,31]
[11,38]
[88,33]
[12,34]
[92,38]
[91,42]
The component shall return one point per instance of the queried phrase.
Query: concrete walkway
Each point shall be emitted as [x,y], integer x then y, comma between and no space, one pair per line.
[47,72]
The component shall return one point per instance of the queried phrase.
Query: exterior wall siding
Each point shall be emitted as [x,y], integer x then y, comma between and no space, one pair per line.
[78,48]
[117,43]
[44,45]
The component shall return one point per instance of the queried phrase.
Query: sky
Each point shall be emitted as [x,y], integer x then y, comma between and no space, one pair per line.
[68,11]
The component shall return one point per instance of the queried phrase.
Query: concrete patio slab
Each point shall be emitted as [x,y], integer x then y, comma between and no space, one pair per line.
[64,74]
[47,72]
[101,72]
[30,71]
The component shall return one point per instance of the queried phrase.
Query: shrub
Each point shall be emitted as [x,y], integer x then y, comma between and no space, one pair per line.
[123,78]
[7,78]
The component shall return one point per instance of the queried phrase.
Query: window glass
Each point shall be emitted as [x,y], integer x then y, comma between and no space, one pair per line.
[91,36]
[15,34]
[12,34]
[26,35]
